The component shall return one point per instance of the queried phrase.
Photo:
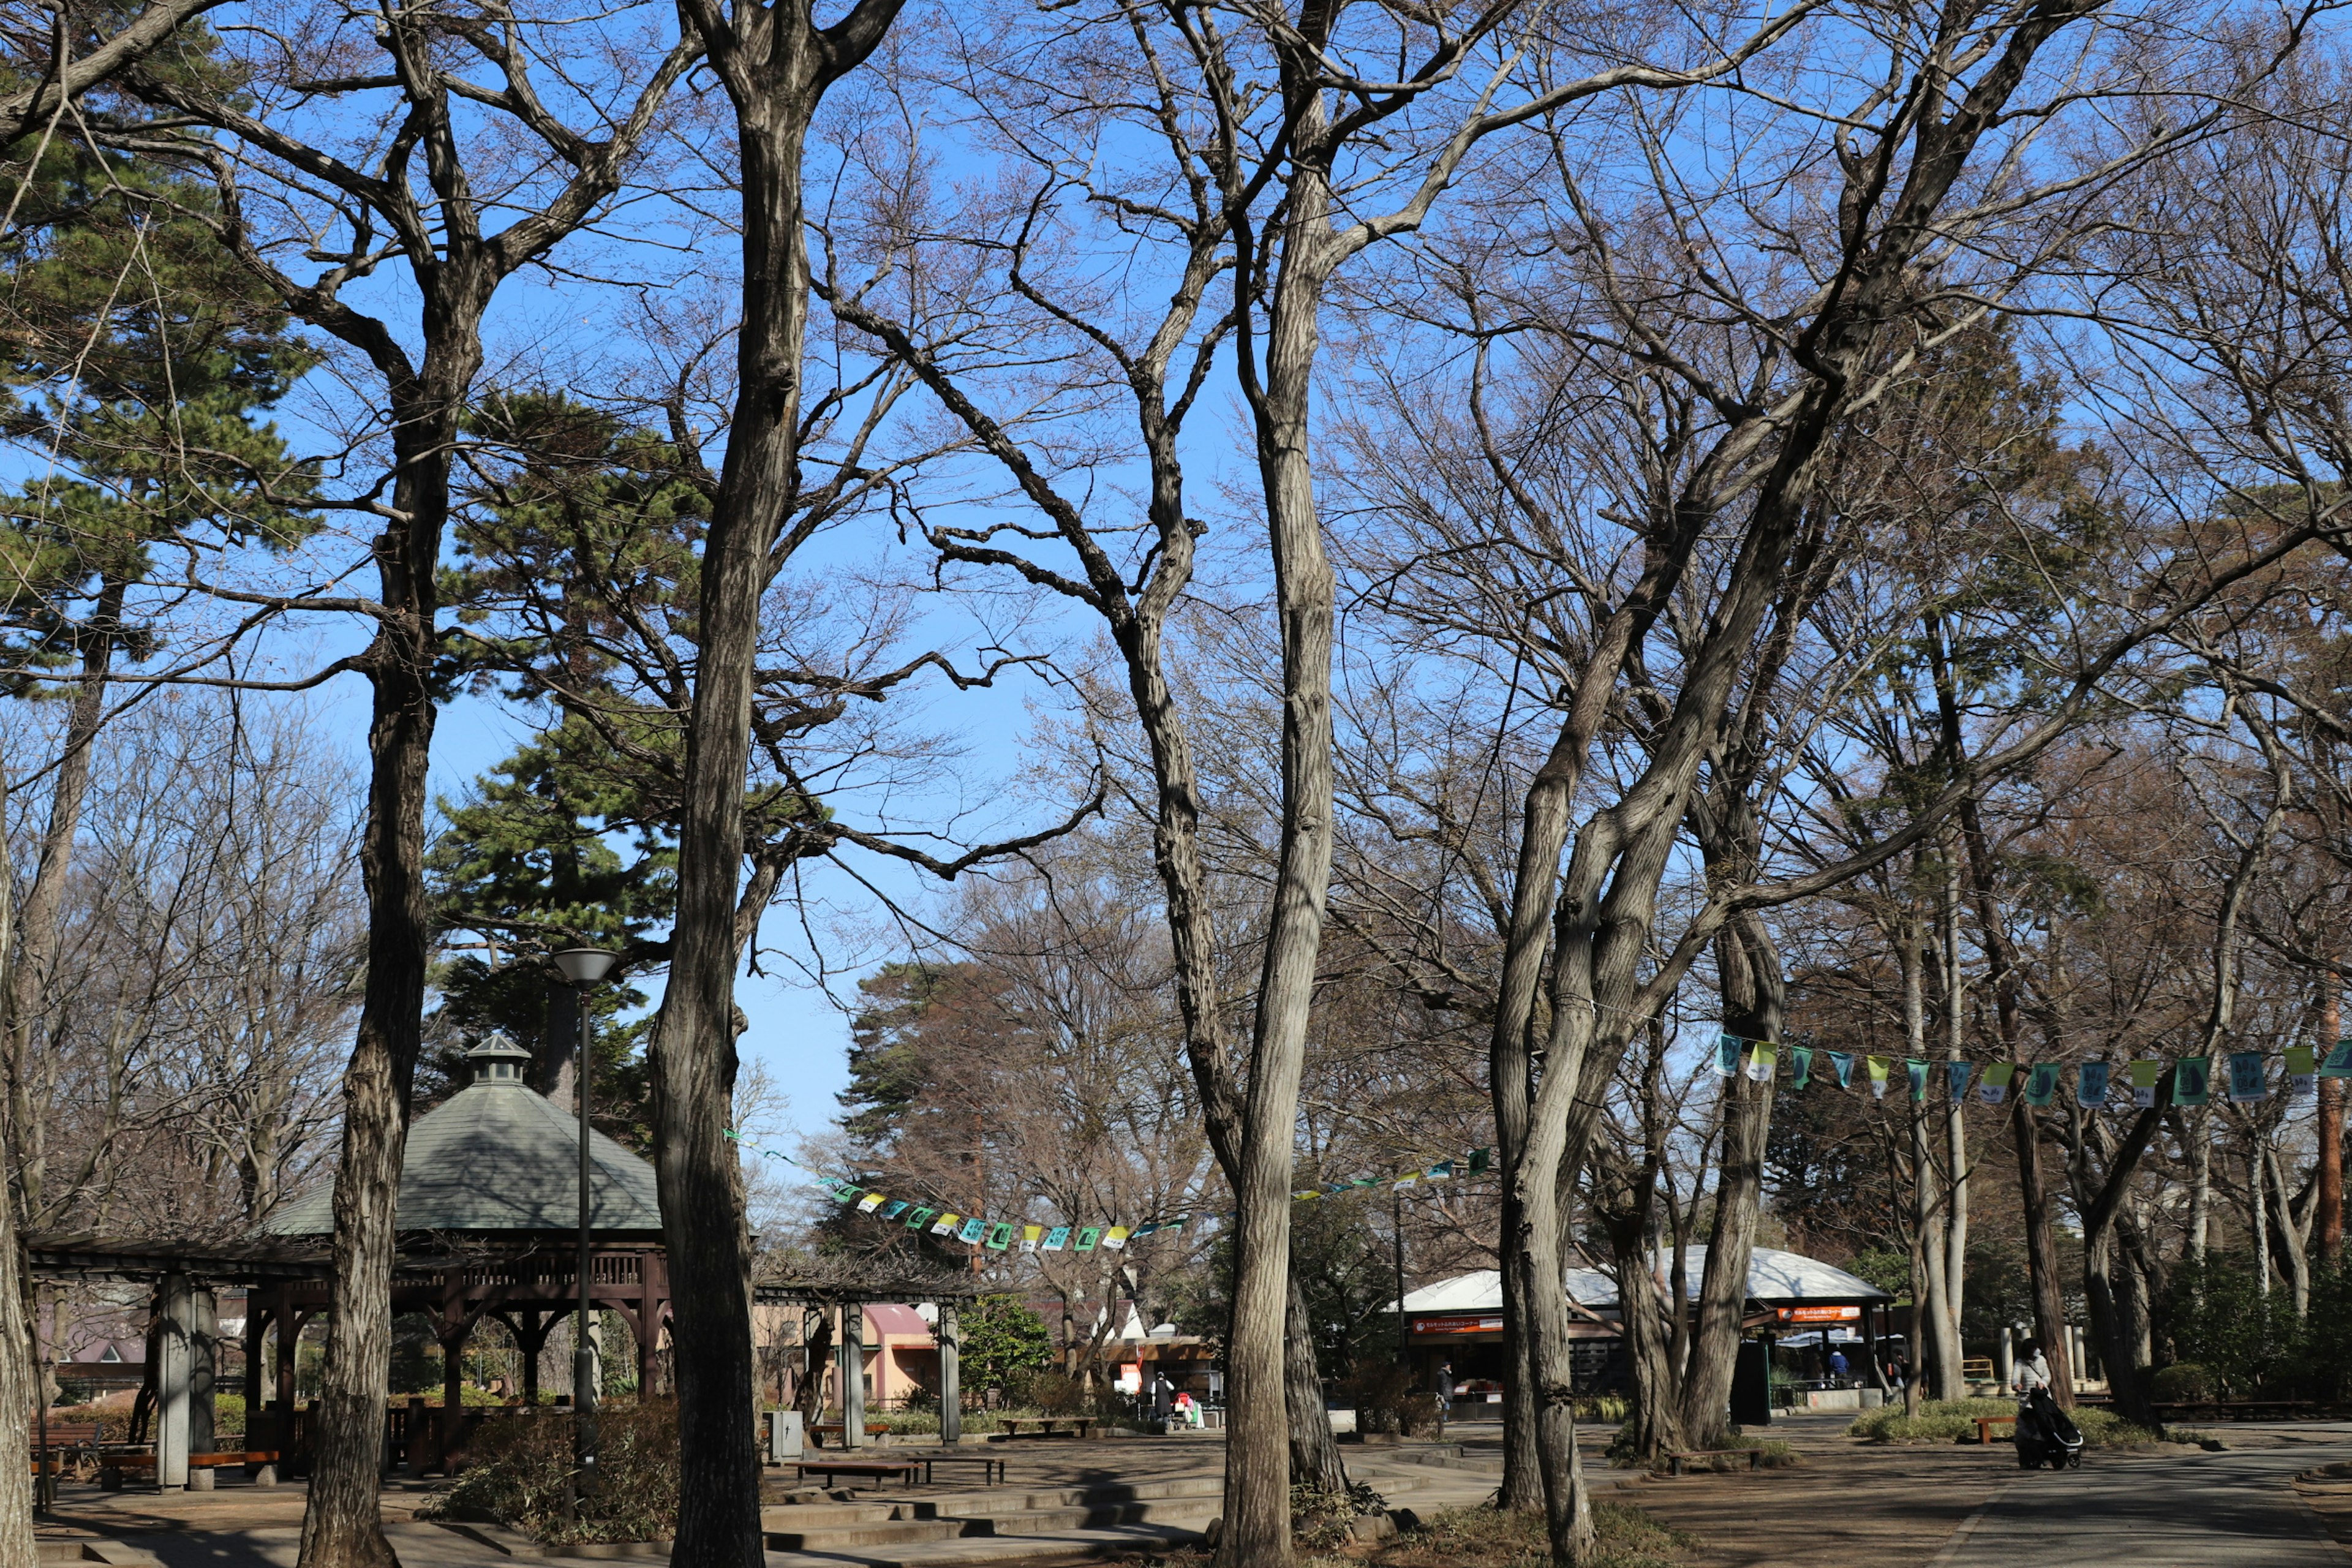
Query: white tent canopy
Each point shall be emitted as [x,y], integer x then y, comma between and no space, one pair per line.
[1775,1278]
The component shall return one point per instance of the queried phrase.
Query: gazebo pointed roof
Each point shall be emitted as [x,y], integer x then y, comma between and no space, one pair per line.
[499,1157]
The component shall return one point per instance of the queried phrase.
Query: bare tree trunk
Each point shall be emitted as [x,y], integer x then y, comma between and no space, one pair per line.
[2198,1131]
[1956,1132]
[342,1523]
[2294,1231]
[1314,1459]
[775,64]
[2330,1177]
[17,1361]
[45,900]
[2041,1253]
[1752,1008]
[1934,1357]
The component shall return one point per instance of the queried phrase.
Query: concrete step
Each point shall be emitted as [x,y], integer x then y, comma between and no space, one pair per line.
[824,1515]
[984,1500]
[1189,1513]
[1123,1541]
[880,1532]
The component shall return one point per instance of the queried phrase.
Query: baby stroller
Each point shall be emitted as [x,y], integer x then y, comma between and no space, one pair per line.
[2046,1435]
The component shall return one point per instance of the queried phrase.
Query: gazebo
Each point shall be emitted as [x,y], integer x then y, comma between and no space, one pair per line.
[488,1220]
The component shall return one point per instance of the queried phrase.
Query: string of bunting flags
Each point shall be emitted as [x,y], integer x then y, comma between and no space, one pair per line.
[999,1235]
[2246,1076]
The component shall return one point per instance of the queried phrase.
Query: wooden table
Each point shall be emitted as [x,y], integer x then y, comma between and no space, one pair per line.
[1080,1426]
[872,1469]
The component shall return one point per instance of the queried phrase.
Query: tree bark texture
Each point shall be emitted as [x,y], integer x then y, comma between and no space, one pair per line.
[18,1389]
[1314,1459]
[341,1524]
[2042,1252]
[775,65]
[36,925]
[2329,1225]
[1753,993]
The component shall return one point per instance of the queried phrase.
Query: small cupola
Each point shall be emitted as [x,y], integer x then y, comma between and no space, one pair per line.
[498,1060]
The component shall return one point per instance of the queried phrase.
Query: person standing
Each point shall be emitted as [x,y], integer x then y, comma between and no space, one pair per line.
[1837,1368]
[1445,1389]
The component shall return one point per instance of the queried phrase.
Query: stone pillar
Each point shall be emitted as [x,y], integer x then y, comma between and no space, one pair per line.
[853,1376]
[2004,1355]
[950,1374]
[204,1369]
[175,1351]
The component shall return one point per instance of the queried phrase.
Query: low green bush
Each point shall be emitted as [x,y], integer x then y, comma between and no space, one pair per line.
[521,1471]
[2182,1381]
[1952,1420]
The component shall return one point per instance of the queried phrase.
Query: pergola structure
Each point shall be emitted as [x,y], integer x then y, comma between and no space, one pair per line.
[849,1350]
[488,1217]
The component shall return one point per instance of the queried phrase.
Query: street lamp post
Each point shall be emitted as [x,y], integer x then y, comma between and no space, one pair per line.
[584,968]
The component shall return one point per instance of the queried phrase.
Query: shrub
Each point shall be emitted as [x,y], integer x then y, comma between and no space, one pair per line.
[2182,1381]
[1386,1401]
[522,1469]
[1001,1340]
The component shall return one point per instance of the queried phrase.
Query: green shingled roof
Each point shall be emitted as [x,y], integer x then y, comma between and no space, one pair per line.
[499,1156]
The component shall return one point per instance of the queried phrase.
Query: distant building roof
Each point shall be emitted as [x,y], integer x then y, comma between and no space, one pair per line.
[498,1157]
[1775,1278]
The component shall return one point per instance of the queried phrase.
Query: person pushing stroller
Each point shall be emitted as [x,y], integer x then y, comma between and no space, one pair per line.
[2044,1433]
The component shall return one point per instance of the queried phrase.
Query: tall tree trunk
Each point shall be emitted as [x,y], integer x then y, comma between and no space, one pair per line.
[1752,1008]
[17,1372]
[2330,1178]
[2198,1132]
[1314,1459]
[2042,1252]
[1955,1142]
[37,926]
[1932,1356]
[776,65]
[1257,1459]
[342,1524]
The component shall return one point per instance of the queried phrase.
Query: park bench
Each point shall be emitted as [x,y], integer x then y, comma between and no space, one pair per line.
[1985,1424]
[1674,1462]
[1080,1427]
[63,1435]
[876,1470]
[112,1466]
[820,1430]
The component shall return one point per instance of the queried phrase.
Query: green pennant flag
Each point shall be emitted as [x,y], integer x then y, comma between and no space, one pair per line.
[1918,1071]
[1480,1161]
[1000,1237]
[2302,1068]
[1801,1061]
[1088,1237]
[1727,1055]
[918,1219]
[841,1195]
[2042,1085]
[1958,1074]
[2340,1060]
[1841,1064]
[2193,1080]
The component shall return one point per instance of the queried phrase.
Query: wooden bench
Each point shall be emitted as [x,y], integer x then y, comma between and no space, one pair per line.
[1080,1427]
[1674,1462]
[817,1430]
[64,1434]
[221,1459]
[870,1469]
[1985,1424]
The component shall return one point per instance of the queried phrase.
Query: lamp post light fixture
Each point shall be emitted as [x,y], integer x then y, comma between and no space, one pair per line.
[584,968]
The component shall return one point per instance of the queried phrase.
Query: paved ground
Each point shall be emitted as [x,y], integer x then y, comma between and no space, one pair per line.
[2209,1511]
